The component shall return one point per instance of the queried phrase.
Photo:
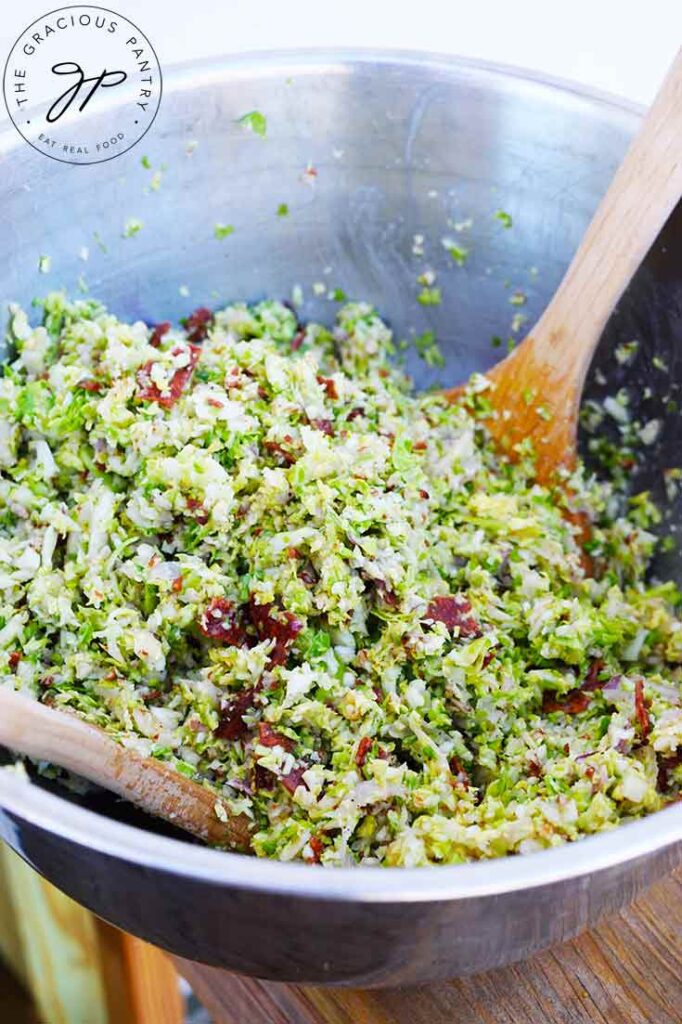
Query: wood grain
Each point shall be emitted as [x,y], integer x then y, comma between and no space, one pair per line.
[57,949]
[538,387]
[11,951]
[628,970]
[140,981]
[77,969]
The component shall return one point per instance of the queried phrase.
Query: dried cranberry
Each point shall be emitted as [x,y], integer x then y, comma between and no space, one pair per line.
[354,413]
[194,505]
[297,340]
[275,624]
[326,426]
[454,612]
[198,323]
[294,778]
[222,621]
[361,753]
[267,737]
[232,725]
[14,659]
[88,384]
[317,846]
[641,709]
[278,449]
[592,678]
[329,386]
[571,703]
[149,392]
[262,778]
[158,333]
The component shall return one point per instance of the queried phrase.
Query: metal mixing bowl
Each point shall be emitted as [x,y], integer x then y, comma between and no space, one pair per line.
[403,145]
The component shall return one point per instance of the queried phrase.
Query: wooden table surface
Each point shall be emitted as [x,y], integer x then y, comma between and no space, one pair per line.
[627,970]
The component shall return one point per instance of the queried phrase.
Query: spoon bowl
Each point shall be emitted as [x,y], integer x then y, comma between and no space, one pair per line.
[538,388]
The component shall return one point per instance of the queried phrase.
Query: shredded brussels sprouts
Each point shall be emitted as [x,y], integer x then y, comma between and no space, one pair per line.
[247,548]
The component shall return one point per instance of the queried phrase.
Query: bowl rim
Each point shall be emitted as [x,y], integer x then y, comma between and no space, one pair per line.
[629,842]
[21,800]
[202,70]
[311,58]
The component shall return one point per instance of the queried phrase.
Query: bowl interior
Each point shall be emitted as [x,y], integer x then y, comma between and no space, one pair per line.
[387,164]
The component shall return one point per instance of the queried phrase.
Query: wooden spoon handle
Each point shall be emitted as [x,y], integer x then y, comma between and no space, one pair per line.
[64,739]
[644,191]
[538,387]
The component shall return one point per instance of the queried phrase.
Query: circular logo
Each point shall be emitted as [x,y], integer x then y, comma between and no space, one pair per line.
[82,84]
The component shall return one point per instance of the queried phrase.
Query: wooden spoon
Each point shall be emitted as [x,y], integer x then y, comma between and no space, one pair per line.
[63,738]
[537,388]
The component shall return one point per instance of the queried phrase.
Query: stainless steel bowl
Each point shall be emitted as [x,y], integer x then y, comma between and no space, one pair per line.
[403,145]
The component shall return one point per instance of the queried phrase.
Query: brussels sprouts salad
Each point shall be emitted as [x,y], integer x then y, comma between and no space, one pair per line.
[247,548]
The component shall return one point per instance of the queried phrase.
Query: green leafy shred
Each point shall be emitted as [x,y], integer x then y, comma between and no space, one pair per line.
[132,227]
[429,297]
[255,122]
[429,350]
[459,253]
